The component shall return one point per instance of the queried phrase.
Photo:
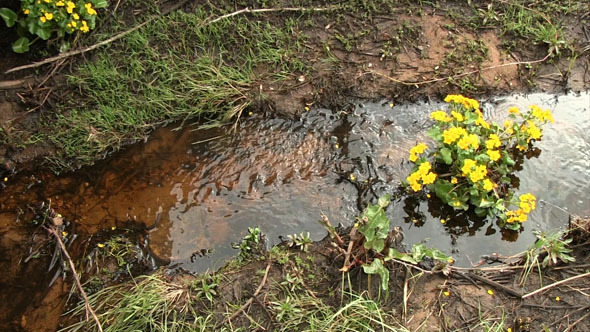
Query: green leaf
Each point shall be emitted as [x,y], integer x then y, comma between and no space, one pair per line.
[100,3]
[442,189]
[480,212]
[437,255]
[445,156]
[44,33]
[434,133]
[418,251]
[9,16]
[402,256]
[384,201]
[377,267]
[507,160]
[482,158]
[21,45]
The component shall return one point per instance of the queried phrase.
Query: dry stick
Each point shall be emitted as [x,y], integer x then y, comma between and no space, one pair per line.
[569,328]
[496,284]
[346,266]
[460,75]
[266,10]
[569,314]
[75,274]
[587,274]
[249,302]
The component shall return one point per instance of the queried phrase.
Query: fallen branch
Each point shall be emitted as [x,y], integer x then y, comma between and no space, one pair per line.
[587,274]
[249,302]
[494,284]
[459,75]
[53,231]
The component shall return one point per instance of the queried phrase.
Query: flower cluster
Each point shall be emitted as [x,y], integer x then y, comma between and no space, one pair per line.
[62,15]
[473,160]
[422,174]
[45,17]
[528,202]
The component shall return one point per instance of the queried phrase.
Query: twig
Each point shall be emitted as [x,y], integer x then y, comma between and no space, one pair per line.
[460,75]
[568,315]
[346,266]
[53,232]
[494,284]
[266,10]
[569,328]
[249,302]
[587,274]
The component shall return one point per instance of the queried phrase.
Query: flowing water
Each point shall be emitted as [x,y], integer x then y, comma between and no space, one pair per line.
[202,189]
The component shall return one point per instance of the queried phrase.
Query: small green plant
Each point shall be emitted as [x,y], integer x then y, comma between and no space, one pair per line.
[473,159]
[553,245]
[301,241]
[374,226]
[206,287]
[42,18]
[251,244]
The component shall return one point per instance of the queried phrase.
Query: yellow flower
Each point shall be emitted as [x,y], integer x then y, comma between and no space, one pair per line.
[100,245]
[452,134]
[557,299]
[72,24]
[89,9]
[469,140]
[479,173]
[522,147]
[43,19]
[446,293]
[488,185]
[76,16]
[60,3]
[415,151]
[453,180]
[84,28]
[493,142]
[459,99]
[481,122]
[542,116]
[456,203]
[513,110]
[49,16]
[442,221]
[26,11]
[457,116]
[491,292]
[533,131]
[70,7]
[429,178]
[440,116]
[468,165]
[494,154]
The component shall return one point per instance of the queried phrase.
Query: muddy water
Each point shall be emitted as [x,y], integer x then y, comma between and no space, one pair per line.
[202,189]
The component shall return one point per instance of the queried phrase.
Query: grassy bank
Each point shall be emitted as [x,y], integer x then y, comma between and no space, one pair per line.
[299,286]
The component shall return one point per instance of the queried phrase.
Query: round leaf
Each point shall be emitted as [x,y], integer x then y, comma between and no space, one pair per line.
[9,16]
[21,45]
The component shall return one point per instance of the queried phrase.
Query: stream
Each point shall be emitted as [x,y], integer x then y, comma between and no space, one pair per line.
[200,190]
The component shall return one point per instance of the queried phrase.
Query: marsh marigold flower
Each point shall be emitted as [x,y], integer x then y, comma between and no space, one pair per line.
[488,185]
[457,116]
[89,9]
[494,155]
[513,110]
[452,134]
[440,116]
[467,141]
[415,151]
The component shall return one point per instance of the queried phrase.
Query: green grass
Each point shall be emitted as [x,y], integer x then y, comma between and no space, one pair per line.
[150,303]
[174,68]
